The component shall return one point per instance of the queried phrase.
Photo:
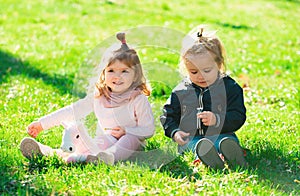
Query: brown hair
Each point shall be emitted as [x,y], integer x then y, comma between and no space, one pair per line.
[204,44]
[130,58]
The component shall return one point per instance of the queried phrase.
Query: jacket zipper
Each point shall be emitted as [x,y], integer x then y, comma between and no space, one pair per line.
[200,110]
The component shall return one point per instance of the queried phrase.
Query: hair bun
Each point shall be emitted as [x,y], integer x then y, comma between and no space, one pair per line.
[121,36]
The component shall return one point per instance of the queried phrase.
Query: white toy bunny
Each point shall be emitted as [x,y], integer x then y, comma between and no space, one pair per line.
[77,142]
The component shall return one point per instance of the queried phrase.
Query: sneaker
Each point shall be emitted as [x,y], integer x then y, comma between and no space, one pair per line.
[208,154]
[30,148]
[105,157]
[232,152]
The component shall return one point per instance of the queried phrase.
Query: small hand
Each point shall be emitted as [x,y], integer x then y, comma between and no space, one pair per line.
[181,137]
[208,118]
[34,129]
[118,132]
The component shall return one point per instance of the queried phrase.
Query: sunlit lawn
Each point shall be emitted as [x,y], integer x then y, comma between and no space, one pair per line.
[48,50]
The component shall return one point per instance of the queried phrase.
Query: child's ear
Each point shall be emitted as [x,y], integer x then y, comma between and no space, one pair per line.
[80,126]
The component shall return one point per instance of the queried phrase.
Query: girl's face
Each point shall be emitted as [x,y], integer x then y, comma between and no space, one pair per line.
[202,69]
[119,77]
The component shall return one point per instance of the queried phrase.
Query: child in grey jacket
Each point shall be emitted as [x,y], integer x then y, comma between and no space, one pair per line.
[206,108]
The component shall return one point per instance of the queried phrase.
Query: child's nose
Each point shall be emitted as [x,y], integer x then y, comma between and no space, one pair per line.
[200,76]
[117,75]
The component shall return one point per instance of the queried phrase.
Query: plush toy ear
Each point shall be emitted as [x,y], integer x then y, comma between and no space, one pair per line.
[64,124]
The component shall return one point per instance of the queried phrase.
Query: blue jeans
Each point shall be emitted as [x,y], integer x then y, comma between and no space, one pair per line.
[191,145]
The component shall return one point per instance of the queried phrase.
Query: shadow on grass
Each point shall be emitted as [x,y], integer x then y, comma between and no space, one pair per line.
[163,160]
[21,178]
[273,165]
[17,177]
[12,66]
[9,180]
[14,180]
[162,157]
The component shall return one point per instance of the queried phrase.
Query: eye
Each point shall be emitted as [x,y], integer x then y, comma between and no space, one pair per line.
[77,136]
[125,71]
[194,72]
[207,71]
[71,149]
[110,70]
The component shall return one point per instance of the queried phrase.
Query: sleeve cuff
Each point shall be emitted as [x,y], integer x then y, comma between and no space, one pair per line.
[218,120]
[173,133]
[43,124]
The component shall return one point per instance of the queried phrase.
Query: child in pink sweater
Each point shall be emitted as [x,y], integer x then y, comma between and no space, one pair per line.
[120,104]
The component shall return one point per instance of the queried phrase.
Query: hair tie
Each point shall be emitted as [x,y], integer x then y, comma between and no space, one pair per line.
[121,37]
[199,34]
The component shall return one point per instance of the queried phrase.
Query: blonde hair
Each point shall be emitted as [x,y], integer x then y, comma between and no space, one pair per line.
[201,42]
[130,58]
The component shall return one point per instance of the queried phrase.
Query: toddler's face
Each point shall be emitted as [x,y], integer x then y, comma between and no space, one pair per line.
[119,77]
[202,69]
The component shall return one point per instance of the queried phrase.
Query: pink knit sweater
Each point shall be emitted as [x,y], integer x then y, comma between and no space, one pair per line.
[135,116]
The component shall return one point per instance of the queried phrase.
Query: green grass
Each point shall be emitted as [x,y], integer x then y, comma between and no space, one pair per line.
[44,48]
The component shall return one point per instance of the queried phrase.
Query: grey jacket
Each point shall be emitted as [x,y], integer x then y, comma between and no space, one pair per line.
[224,98]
